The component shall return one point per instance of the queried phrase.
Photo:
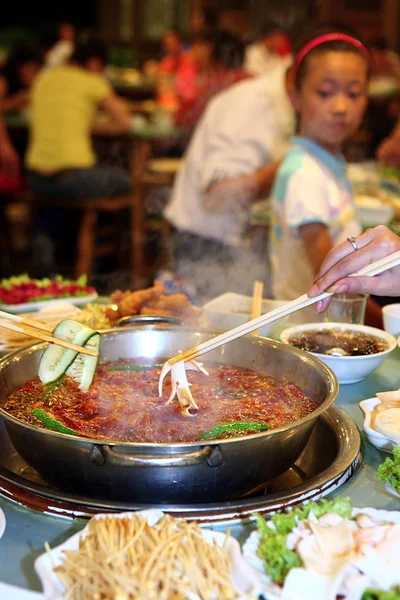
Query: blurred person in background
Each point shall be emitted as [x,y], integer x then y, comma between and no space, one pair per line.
[174,53]
[58,42]
[218,63]
[17,76]
[230,163]
[60,156]
[272,48]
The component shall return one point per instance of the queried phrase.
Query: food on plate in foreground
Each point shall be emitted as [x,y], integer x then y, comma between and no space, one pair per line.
[123,404]
[128,559]
[328,550]
[389,470]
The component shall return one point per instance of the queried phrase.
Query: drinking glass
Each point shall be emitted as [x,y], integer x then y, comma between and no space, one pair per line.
[347,308]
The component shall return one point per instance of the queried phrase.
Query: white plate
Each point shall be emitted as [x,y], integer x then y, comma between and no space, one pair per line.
[274,592]
[10,592]
[244,576]
[380,441]
[2,525]
[34,306]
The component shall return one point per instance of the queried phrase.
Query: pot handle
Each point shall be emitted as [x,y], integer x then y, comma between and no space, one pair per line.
[148,320]
[107,454]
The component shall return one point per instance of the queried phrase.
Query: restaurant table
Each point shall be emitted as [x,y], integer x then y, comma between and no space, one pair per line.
[27,530]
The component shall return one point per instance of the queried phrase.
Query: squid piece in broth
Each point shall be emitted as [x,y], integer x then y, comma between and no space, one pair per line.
[180,385]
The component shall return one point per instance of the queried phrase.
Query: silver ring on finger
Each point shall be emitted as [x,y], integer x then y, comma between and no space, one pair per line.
[353,242]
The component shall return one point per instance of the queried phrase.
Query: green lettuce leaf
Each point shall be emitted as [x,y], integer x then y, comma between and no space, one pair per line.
[389,470]
[393,594]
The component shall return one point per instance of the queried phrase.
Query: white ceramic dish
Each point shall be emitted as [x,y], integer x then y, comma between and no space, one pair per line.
[377,439]
[2,524]
[373,211]
[34,306]
[244,576]
[231,310]
[271,591]
[348,369]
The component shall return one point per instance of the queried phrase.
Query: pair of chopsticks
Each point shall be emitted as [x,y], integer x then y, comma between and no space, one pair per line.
[256,303]
[384,264]
[40,331]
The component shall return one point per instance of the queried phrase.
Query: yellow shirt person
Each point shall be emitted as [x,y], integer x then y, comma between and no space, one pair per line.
[64,102]
[60,158]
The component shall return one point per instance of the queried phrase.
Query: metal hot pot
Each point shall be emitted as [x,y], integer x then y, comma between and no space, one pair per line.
[170,473]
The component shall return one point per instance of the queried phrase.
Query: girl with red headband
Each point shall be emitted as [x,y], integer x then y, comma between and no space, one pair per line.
[312,202]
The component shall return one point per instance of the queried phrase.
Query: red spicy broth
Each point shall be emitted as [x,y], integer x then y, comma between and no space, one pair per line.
[123,403]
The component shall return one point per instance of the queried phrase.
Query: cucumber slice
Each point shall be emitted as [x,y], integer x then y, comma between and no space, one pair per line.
[55,359]
[52,423]
[83,367]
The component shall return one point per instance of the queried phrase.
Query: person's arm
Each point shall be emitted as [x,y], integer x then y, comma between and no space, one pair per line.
[118,121]
[317,243]
[343,260]
[16,101]
[233,192]
[9,159]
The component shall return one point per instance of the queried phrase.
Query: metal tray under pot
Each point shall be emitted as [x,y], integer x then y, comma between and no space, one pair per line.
[330,459]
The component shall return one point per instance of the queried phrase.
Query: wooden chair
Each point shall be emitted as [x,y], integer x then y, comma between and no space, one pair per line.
[88,231]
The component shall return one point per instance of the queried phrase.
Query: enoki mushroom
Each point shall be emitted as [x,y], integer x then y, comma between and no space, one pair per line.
[127,559]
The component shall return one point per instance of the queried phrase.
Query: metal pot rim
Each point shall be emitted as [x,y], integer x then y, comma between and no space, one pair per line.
[326,372]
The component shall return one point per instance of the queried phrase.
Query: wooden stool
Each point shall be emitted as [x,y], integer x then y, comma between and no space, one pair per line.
[88,230]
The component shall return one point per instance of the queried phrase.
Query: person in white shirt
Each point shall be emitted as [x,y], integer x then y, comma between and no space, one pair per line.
[61,49]
[230,162]
[271,50]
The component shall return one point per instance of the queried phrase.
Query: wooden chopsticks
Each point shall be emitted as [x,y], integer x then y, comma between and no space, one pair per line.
[256,303]
[393,260]
[40,331]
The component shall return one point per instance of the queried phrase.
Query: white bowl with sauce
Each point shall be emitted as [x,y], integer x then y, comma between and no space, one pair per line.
[348,369]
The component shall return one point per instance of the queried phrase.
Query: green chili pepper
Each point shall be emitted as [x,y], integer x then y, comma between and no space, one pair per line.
[51,422]
[236,426]
[134,367]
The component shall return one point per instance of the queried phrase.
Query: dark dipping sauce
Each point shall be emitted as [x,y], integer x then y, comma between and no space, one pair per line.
[354,343]
[123,404]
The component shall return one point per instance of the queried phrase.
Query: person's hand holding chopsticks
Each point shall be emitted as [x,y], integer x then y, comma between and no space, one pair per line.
[348,258]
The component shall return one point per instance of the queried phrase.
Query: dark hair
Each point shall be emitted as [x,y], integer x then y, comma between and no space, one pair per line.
[336,46]
[228,50]
[88,49]
[19,56]
[270,26]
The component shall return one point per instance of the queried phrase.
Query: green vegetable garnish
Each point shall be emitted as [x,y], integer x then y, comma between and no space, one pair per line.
[389,470]
[393,594]
[236,426]
[52,423]
[279,560]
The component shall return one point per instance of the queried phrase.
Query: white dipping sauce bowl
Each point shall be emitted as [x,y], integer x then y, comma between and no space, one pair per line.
[348,369]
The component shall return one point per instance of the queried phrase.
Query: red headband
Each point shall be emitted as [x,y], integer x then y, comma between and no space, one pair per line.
[322,39]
